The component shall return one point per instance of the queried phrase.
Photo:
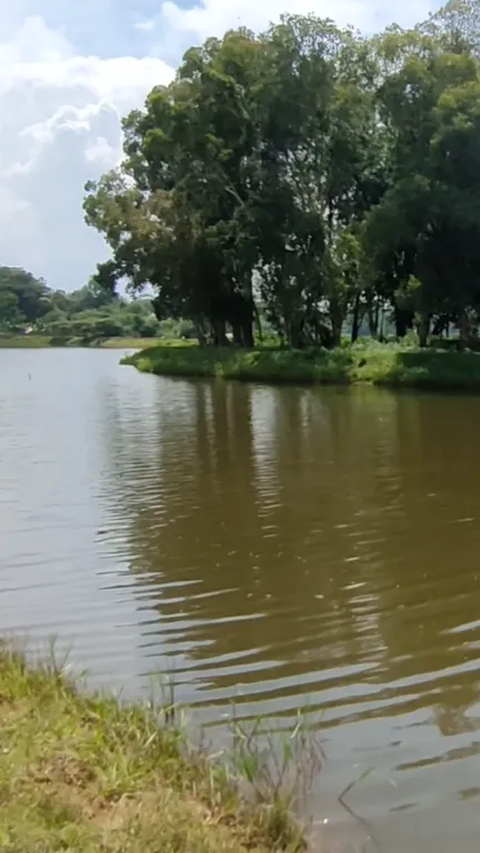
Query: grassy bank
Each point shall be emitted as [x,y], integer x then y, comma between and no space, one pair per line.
[86,774]
[41,341]
[132,343]
[24,341]
[371,362]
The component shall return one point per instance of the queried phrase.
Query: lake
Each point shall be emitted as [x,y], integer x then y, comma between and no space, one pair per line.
[267,547]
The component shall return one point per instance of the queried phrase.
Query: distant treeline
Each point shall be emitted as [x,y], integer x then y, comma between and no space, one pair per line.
[90,314]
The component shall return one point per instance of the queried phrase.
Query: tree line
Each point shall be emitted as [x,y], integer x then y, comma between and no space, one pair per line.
[87,315]
[310,174]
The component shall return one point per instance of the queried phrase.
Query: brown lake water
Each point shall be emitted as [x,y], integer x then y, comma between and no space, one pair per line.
[266,546]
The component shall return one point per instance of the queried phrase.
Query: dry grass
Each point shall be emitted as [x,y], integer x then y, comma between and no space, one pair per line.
[83,773]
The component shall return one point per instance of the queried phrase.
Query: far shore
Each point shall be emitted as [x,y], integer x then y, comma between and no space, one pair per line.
[34,341]
[366,362]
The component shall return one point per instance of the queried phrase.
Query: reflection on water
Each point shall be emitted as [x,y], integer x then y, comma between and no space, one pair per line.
[269,546]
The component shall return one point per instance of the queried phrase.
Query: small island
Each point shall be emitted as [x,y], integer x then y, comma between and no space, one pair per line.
[369,362]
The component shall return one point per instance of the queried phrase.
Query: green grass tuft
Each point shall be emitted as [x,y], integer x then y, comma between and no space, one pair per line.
[86,773]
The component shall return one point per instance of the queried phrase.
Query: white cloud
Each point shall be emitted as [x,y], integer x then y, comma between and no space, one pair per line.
[213,17]
[60,126]
[100,151]
[60,106]
[146,26]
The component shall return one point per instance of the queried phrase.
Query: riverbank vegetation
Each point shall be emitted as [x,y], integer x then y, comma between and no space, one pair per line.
[367,362]
[36,341]
[31,314]
[308,175]
[86,773]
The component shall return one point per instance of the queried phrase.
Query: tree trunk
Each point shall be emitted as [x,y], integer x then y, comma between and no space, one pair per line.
[423,329]
[337,316]
[464,328]
[243,333]
[258,322]
[403,322]
[336,335]
[295,334]
[356,319]
[200,333]
[372,320]
[219,333]
[248,334]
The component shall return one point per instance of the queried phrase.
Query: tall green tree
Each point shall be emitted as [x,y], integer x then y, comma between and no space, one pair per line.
[11,318]
[425,234]
[324,174]
[173,214]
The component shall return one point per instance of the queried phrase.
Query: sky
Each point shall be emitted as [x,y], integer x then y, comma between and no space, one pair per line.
[69,69]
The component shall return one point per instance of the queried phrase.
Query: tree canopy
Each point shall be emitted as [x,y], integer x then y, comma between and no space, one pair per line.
[86,315]
[310,171]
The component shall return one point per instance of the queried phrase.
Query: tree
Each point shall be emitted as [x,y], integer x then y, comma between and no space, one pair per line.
[425,234]
[89,297]
[249,163]
[176,226]
[29,292]
[457,26]
[11,317]
[322,174]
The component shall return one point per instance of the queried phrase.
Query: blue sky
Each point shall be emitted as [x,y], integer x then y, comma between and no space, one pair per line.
[70,68]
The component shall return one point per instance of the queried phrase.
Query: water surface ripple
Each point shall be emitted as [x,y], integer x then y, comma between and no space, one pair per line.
[269,547]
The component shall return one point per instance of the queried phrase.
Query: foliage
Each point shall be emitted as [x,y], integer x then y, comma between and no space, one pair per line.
[91,314]
[11,317]
[88,773]
[308,174]
[22,297]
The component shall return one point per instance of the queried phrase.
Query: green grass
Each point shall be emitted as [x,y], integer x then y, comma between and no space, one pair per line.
[365,362]
[86,773]
[134,343]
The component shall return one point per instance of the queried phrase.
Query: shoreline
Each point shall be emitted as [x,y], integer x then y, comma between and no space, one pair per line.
[85,772]
[46,341]
[390,365]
